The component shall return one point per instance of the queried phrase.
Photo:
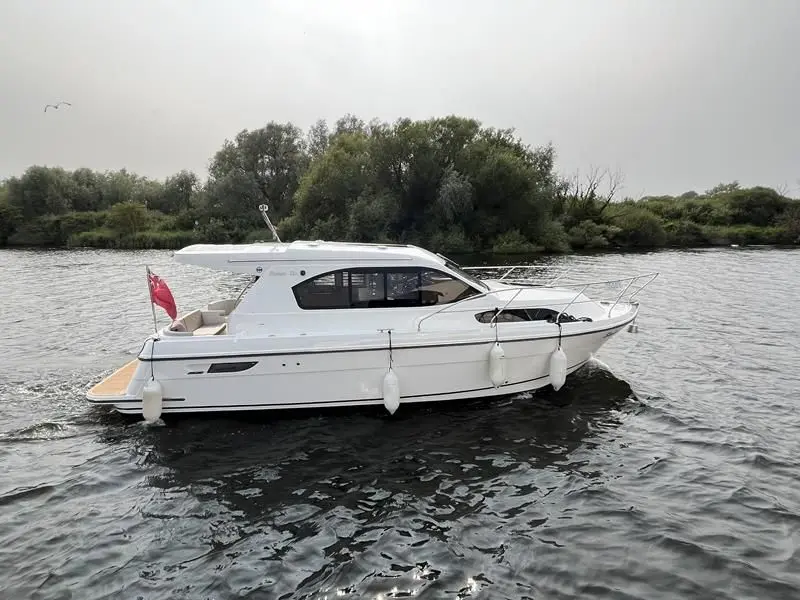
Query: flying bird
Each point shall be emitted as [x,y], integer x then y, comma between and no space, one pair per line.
[46,106]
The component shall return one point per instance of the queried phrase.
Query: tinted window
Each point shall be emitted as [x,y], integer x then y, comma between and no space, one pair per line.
[331,290]
[380,288]
[527,314]
[367,289]
[507,316]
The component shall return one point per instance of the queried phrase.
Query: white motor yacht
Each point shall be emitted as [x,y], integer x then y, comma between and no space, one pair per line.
[333,324]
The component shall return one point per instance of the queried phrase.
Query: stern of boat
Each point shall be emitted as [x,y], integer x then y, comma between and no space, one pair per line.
[123,385]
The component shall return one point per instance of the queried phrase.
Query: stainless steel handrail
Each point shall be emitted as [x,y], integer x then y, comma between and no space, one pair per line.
[493,322]
[652,278]
[518,289]
[571,302]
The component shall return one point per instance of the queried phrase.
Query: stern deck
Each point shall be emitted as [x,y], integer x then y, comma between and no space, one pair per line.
[117,383]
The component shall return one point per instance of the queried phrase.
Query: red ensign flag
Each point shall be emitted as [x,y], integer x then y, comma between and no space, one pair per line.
[161,296]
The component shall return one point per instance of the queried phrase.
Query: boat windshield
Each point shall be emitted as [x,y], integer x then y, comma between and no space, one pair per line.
[471,278]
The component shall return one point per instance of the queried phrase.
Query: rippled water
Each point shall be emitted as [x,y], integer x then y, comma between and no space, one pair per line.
[666,469]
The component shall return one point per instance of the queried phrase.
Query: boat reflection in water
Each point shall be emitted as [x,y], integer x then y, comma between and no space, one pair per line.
[356,500]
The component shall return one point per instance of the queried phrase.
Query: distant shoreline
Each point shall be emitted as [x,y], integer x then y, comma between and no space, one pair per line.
[448,184]
[470,254]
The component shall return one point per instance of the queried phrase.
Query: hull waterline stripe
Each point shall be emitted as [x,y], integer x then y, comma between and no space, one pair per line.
[348,402]
[374,348]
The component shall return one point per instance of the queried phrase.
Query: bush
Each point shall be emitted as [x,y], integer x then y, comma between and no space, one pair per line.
[745,235]
[757,206]
[127,218]
[167,240]
[637,228]
[37,231]
[685,233]
[96,238]
[589,234]
[258,235]
[76,222]
[143,240]
[8,219]
[513,242]
[553,238]
[453,241]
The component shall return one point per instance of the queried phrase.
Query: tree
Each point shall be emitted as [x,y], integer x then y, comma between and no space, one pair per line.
[723,188]
[272,158]
[331,186]
[454,198]
[127,218]
[445,182]
[88,194]
[177,193]
[756,206]
[587,197]
[116,187]
[349,124]
[40,191]
[317,138]
[8,215]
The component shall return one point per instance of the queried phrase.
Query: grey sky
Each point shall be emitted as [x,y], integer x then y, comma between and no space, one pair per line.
[678,94]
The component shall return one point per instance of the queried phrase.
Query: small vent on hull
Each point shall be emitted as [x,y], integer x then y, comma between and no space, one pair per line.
[231,367]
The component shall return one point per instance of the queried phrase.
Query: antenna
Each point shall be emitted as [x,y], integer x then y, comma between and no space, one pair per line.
[264,208]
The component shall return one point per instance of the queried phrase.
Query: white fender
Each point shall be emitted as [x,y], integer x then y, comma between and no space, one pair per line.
[391,391]
[558,368]
[152,401]
[497,365]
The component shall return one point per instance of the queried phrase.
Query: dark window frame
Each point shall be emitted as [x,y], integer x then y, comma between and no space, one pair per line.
[532,315]
[383,302]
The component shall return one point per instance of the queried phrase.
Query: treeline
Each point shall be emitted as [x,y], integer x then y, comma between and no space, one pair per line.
[448,184]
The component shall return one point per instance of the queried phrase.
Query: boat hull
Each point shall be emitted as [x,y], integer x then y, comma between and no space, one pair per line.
[322,376]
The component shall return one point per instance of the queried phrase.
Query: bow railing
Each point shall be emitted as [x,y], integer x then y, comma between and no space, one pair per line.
[629,288]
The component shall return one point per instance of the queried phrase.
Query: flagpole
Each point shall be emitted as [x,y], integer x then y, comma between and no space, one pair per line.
[150,296]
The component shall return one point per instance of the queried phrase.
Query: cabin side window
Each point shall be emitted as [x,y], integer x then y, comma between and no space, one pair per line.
[518,315]
[380,288]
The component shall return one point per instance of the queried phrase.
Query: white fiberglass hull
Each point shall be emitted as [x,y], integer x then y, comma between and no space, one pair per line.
[315,372]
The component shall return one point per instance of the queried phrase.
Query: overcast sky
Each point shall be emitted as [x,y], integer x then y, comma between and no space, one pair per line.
[678,94]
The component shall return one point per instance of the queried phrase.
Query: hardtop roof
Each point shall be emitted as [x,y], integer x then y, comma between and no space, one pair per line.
[242,258]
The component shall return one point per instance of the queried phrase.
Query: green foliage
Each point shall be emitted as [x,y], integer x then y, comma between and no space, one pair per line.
[258,167]
[685,234]
[176,193]
[9,216]
[590,235]
[449,184]
[744,235]
[110,239]
[127,218]
[76,222]
[37,231]
[54,230]
[757,206]
[444,183]
[553,238]
[513,242]
[723,188]
[95,238]
[637,227]
[452,241]
[789,222]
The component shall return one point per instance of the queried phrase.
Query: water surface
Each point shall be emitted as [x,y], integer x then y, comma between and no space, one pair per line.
[666,469]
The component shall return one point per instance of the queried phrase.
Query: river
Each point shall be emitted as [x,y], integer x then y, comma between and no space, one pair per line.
[667,468]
